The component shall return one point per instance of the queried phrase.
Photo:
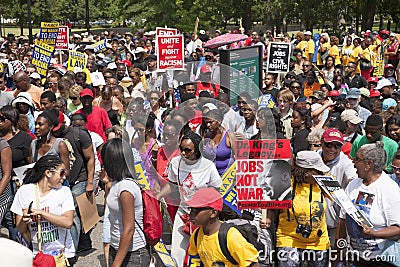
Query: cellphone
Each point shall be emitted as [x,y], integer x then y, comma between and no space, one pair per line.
[30,208]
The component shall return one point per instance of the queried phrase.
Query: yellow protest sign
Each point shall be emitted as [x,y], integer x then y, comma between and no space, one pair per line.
[141,176]
[379,68]
[76,60]
[41,56]
[48,32]
[165,257]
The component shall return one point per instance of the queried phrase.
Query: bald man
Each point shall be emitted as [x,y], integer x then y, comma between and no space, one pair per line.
[21,82]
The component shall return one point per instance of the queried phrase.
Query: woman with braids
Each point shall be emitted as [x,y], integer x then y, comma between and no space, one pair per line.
[46,143]
[188,173]
[302,230]
[42,199]
[378,197]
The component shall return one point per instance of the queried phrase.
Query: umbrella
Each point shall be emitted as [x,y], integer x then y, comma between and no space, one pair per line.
[225,39]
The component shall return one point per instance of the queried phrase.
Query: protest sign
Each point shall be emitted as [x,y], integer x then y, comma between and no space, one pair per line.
[48,32]
[378,68]
[62,38]
[165,31]
[164,255]
[141,179]
[170,52]
[76,60]
[335,192]
[100,46]
[263,174]
[278,57]
[41,57]
[228,190]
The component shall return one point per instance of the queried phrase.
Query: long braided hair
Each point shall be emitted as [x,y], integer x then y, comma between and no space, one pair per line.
[35,174]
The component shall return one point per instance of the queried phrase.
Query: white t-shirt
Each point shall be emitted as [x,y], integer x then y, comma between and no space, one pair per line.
[193,177]
[97,141]
[114,205]
[57,201]
[380,202]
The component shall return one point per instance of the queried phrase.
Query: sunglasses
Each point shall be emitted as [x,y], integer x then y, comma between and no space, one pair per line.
[186,150]
[295,87]
[62,173]
[330,145]
[52,83]
[73,97]
[315,145]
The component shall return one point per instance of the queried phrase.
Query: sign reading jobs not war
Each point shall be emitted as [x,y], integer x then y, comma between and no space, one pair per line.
[62,38]
[278,57]
[41,56]
[170,52]
[263,174]
[48,32]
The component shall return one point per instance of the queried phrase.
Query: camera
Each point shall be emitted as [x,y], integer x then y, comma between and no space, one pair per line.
[304,230]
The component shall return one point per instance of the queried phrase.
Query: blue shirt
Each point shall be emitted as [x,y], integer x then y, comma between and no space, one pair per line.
[394,178]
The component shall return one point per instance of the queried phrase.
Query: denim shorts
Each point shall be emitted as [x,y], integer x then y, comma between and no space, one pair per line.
[137,258]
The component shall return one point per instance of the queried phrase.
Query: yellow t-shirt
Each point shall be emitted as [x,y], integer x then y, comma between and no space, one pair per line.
[309,49]
[302,47]
[345,54]
[286,233]
[319,59]
[334,52]
[208,251]
[353,57]
[375,50]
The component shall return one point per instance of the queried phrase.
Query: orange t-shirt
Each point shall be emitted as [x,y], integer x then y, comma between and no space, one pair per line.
[309,89]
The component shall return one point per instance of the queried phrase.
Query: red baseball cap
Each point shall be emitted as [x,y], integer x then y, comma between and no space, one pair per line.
[333,93]
[205,69]
[61,120]
[372,80]
[374,93]
[389,66]
[206,197]
[86,92]
[332,135]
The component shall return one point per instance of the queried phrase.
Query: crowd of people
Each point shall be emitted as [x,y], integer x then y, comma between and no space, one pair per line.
[79,136]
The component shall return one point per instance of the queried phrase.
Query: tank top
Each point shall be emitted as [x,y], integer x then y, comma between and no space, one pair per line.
[224,156]
[52,151]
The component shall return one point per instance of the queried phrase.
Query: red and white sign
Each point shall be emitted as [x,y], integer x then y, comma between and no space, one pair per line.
[165,31]
[170,52]
[62,38]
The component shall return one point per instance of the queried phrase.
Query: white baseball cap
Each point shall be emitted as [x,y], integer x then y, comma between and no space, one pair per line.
[307,33]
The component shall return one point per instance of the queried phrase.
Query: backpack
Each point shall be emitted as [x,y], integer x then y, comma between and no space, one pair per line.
[152,218]
[248,231]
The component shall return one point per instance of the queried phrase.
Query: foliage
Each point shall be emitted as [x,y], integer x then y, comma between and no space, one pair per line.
[182,14]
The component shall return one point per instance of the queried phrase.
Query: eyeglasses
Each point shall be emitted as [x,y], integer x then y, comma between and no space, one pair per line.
[295,87]
[306,65]
[73,97]
[186,150]
[50,83]
[332,145]
[62,172]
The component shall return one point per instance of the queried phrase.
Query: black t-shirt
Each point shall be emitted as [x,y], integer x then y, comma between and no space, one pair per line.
[20,144]
[357,82]
[79,139]
[299,141]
